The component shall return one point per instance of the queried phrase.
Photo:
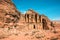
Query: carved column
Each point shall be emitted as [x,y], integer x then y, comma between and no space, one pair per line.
[34,18]
[38,19]
[28,18]
[41,23]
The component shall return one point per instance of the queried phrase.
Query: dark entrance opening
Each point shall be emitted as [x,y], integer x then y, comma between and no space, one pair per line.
[34,26]
[36,18]
[28,17]
[45,27]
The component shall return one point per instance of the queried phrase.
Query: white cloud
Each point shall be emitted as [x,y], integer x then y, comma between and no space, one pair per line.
[56,18]
[23,12]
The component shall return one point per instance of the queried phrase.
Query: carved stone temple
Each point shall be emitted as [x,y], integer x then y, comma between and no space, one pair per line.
[33,20]
[9,17]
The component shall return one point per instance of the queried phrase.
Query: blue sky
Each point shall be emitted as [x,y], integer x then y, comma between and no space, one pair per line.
[50,8]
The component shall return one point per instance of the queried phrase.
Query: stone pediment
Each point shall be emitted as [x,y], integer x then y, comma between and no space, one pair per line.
[30,11]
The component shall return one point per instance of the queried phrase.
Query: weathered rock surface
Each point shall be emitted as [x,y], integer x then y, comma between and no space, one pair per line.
[8,13]
[28,26]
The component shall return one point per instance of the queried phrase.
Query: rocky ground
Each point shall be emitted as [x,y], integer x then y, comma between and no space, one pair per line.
[14,34]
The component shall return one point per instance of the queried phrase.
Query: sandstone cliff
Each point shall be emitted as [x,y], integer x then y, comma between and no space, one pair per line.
[8,12]
[28,26]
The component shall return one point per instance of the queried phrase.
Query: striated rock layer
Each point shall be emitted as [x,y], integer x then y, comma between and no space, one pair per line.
[28,26]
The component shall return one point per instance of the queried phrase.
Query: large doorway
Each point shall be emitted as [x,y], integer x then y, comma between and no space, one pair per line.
[45,27]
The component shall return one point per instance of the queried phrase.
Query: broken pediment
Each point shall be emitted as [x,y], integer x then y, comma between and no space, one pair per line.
[30,11]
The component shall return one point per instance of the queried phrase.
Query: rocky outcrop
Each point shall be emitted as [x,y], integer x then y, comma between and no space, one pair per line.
[8,12]
[10,16]
[30,25]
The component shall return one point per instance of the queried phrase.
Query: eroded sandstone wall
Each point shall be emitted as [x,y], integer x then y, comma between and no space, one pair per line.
[8,13]
[30,20]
